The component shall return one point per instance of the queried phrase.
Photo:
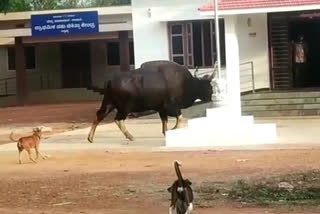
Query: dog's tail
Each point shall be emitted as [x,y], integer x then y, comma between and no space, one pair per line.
[178,172]
[12,139]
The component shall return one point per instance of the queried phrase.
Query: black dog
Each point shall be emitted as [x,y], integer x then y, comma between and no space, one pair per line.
[181,193]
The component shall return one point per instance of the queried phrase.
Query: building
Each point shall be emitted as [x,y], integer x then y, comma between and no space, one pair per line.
[63,61]
[253,33]
[279,23]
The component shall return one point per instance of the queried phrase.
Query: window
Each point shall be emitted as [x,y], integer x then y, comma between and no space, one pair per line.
[11,58]
[113,53]
[193,43]
[177,39]
[30,58]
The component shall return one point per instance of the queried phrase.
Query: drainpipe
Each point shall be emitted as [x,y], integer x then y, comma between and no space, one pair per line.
[217,34]
[219,87]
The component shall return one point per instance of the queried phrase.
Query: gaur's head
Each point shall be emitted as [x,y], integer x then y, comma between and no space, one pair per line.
[205,89]
[204,86]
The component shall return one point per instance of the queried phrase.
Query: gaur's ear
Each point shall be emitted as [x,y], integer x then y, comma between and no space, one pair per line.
[170,189]
[208,77]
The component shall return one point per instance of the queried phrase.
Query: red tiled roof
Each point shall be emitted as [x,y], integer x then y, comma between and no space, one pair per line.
[255,4]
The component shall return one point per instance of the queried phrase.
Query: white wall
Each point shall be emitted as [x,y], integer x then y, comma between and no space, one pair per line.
[150,32]
[151,36]
[254,48]
[233,98]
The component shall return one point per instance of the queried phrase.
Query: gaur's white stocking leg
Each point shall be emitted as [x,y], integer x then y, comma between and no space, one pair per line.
[122,127]
[178,122]
[101,114]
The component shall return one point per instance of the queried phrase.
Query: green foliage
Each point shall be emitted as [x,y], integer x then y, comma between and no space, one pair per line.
[27,5]
[43,4]
[4,5]
[19,5]
[306,190]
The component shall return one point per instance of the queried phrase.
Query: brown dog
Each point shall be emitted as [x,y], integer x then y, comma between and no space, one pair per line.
[181,193]
[28,143]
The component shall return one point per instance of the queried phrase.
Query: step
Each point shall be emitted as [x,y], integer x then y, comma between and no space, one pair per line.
[234,135]
[281,95]
[315,106]
[306,112]
[283,101]
[222,112]
[201,138]
[210,123]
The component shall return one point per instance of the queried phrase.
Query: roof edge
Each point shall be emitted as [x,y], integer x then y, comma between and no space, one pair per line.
[210,7]
[261,10]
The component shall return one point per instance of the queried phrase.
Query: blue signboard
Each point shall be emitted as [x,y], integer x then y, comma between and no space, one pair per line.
[65,23]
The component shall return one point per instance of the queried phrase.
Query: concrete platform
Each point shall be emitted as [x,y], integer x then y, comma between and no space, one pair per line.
[222,127]
[292,132]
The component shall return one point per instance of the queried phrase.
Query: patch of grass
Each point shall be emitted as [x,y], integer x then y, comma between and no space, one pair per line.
[305,189]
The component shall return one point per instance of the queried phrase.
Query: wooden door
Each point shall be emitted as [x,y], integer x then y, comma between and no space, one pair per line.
[280,51]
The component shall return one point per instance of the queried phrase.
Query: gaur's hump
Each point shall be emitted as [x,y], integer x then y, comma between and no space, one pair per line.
[156,63]
[163,65]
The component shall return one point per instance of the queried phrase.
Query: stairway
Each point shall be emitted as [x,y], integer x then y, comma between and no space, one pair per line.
[283,103]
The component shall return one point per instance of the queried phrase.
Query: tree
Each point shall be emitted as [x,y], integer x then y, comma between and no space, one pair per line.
[19,5]
[14,5]
[4,6]
[43,4]
[91,3]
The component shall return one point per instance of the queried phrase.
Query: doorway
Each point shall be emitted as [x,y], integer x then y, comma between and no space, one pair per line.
[310,29]
[76,65]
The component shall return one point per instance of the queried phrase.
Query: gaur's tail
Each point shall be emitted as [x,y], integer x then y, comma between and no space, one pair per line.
[12,139]
[105,101]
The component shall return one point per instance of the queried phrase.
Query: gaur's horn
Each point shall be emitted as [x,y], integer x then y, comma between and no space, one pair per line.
[196,72]
[215,67]
[212,76]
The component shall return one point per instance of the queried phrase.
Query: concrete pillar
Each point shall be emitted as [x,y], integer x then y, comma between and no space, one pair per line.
[21,76]
[124,51]
[233,98]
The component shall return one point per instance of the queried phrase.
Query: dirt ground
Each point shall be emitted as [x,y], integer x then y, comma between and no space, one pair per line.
[73,113]
[60,117]
[119,183]
[95,182]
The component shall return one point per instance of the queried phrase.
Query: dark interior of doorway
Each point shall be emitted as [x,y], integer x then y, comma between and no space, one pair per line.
[310,29]
[76,65]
